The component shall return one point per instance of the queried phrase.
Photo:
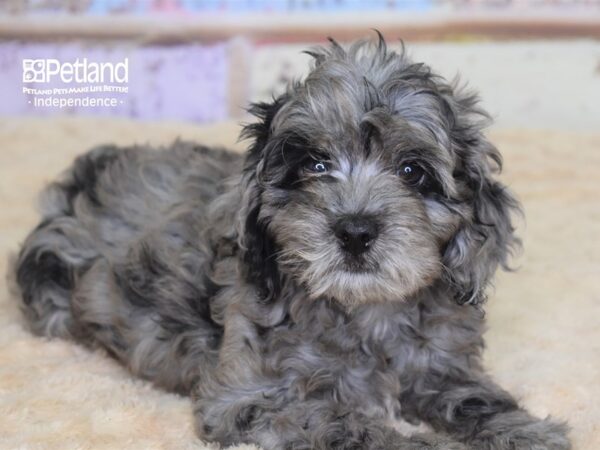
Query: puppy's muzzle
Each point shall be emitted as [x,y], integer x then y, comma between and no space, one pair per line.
[356,234]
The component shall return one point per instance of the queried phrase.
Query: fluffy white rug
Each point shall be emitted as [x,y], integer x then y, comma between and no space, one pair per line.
[544,320]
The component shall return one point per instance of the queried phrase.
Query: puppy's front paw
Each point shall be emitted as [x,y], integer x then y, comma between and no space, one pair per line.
[520,431]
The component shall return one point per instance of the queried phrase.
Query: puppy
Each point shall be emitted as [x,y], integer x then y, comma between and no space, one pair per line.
[307,293]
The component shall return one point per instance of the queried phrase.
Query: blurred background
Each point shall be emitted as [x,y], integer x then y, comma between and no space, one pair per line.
[188,69]
[535,62]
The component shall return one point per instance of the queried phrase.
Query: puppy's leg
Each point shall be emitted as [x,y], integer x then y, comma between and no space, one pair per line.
[520,430]
[249,398]
[473,409]
[443,383]
[151,310]
[275,418]
[119,259]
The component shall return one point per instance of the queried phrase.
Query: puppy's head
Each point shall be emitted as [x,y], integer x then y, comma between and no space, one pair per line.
[371,180]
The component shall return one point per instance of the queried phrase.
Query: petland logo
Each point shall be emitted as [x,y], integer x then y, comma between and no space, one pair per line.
[80,71]
[75,86]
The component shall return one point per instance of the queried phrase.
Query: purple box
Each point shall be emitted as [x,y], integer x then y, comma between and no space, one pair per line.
[187,82]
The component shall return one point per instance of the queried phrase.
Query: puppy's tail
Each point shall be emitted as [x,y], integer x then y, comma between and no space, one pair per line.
[59,250]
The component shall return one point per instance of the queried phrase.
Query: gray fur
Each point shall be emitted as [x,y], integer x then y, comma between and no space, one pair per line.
[221,277]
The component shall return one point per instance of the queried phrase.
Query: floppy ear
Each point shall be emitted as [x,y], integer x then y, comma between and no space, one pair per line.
[486,239]
[258,248]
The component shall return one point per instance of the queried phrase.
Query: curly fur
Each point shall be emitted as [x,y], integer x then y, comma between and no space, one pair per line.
[222,276]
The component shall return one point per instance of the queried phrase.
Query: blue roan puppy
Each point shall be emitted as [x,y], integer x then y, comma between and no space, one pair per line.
[333,283]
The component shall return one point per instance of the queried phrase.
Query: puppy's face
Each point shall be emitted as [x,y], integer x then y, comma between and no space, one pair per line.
[366,180]
[352,204]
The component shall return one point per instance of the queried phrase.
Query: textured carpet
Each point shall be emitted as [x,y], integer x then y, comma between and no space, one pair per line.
[544,320]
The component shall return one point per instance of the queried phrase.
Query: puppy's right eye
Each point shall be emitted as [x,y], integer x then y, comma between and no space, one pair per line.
[412,174]
[314,166]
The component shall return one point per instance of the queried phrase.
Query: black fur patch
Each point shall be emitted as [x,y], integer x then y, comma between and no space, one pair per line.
[261,248]
[37,271]
[86,171]
[245,417]
[260,257]
[478,407]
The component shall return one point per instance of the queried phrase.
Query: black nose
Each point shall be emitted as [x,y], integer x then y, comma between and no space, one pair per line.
[356,233]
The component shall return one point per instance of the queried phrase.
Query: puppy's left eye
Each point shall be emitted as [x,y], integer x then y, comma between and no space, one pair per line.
[412,174]
[317,166]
